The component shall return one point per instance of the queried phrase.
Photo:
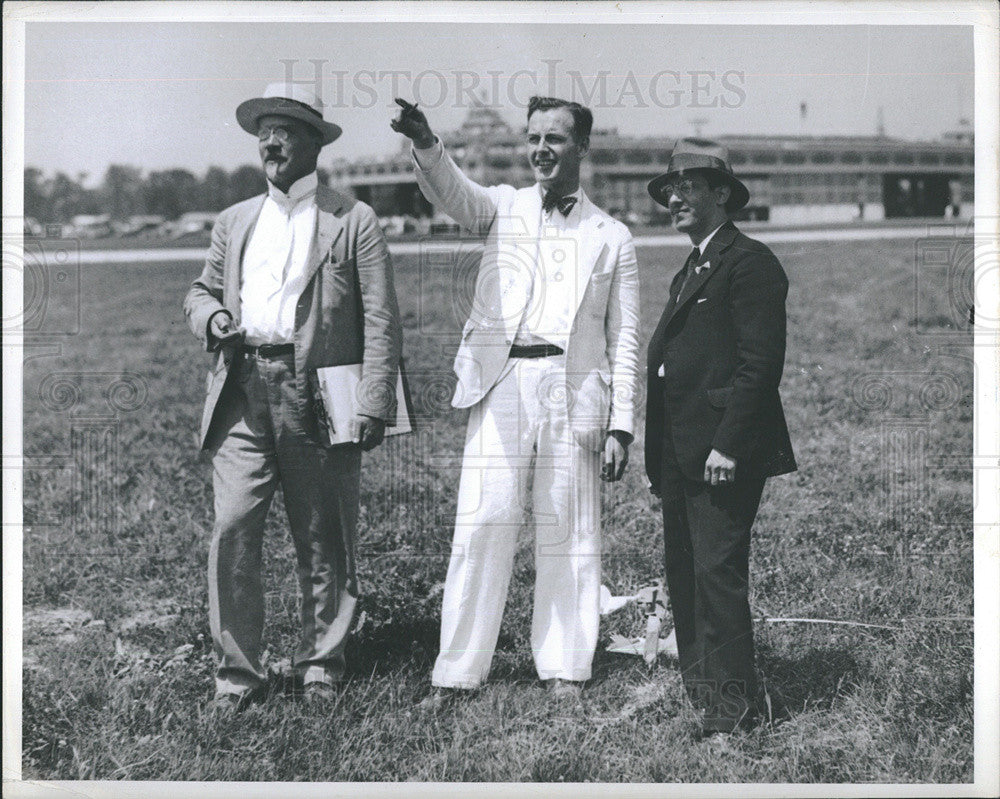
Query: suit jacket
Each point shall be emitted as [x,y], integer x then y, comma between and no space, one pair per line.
[347,312]
[601,328]
[721,345]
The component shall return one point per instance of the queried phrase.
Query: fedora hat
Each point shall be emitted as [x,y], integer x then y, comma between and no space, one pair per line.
[287,100]
[705,156]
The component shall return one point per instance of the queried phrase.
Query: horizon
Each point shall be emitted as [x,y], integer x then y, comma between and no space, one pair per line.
[724,80]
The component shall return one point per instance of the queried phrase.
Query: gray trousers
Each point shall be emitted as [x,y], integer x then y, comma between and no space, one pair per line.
[266,442]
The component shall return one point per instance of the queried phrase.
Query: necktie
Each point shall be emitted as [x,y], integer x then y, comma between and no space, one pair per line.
[553,200]
[688,270]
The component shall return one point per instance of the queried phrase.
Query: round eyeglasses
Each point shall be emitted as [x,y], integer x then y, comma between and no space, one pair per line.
[682,188]
[282,134]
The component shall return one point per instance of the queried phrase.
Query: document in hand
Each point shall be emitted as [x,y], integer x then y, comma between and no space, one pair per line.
[338,390]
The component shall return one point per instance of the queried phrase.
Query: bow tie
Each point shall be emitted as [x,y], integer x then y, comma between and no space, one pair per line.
[553,200]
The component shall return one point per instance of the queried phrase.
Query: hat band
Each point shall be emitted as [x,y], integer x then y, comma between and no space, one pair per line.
[302,105]
[684,161]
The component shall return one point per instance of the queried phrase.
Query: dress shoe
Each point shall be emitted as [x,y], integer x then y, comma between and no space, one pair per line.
[564,689]
[722,728]
[439,699]
[229,704]
[319,694]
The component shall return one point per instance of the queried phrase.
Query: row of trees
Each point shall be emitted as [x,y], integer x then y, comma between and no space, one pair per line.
[125,192]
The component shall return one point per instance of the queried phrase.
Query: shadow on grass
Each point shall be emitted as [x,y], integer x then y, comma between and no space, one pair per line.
[814,679]
[384,649]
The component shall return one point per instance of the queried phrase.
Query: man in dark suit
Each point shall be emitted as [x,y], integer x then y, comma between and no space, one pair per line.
[715,429]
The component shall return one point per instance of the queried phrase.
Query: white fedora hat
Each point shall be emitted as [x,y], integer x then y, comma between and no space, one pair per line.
[287,100]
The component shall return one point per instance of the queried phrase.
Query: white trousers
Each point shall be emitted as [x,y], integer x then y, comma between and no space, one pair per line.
[519,441]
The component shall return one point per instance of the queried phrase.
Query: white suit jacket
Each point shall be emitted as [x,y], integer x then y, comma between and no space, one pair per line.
[602,352]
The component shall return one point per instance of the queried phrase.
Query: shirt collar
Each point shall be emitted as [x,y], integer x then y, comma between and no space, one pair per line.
[297,192]
[700,246]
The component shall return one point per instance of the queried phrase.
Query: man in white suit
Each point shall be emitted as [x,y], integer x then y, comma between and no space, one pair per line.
[548,367]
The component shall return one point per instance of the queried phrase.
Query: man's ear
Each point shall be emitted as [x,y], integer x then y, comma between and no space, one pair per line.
[722,194]
[584,145]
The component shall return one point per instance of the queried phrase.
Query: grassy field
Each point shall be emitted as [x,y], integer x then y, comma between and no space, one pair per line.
[875,527]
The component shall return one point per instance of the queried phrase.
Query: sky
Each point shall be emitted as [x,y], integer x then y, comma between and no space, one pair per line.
[160,95]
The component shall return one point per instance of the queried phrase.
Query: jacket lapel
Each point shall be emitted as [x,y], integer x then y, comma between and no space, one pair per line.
[591,246]
[713,257]
[329,227]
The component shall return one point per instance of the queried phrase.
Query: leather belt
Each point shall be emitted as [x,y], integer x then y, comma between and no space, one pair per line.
[269,350]
[535,351]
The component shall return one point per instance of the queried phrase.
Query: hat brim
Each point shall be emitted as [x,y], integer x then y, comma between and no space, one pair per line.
[739,194]
[249,111]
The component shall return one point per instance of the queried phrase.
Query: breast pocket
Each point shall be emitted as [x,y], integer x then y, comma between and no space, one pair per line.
[709,303]
[601,280]
[338,280]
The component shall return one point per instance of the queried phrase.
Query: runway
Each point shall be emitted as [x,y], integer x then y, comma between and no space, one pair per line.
[641,242]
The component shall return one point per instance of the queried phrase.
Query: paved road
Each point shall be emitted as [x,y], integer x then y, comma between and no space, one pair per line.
[415,247]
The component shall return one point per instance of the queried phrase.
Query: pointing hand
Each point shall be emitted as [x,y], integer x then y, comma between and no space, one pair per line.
[412,123]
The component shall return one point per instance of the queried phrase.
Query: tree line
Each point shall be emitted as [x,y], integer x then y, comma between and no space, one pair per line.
[125,191]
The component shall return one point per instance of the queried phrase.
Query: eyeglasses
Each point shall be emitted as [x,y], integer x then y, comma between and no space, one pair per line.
[281,134]
[683,188]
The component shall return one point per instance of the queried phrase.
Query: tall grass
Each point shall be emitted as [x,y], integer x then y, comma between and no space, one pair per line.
[875,527]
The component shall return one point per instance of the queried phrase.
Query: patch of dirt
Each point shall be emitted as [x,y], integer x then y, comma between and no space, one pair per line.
[161,615]
[45,626]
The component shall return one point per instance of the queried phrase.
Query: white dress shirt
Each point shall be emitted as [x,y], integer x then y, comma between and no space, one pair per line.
[553,288]
[552,297]
[275,261]
[701,245]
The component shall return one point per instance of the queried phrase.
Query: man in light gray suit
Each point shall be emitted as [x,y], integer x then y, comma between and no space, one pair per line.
[296,279]
[547,365]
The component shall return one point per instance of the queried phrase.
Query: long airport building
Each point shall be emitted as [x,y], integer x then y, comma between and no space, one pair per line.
[792,179]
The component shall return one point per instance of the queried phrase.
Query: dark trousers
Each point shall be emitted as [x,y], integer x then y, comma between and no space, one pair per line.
[707,549]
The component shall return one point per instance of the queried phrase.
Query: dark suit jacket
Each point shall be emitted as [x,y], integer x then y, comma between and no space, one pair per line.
[347,312]
[722,348]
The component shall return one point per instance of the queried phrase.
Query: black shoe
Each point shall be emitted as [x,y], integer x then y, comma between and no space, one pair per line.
[722,726]
[229,704]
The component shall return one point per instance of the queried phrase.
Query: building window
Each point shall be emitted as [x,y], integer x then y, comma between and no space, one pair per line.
[604,157]
[954,159]
[638,156]
[793,158]
[878,158]
[930,159]
[850,157]
[765,157]
[903,158]
[822,158]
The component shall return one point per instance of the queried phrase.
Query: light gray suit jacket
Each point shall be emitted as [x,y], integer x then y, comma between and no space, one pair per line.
[602,328]
[347,312]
